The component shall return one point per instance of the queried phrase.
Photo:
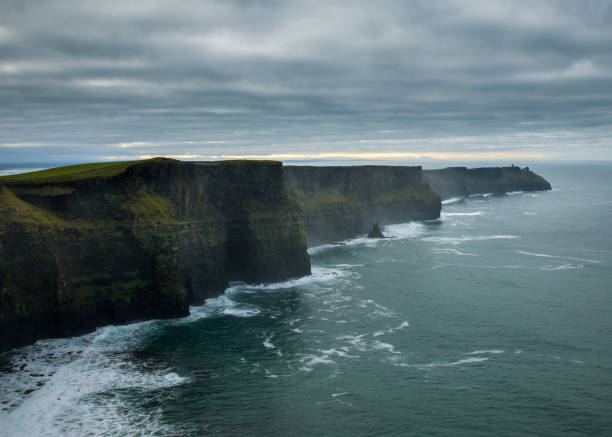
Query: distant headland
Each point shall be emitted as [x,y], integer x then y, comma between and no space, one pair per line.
[88,245]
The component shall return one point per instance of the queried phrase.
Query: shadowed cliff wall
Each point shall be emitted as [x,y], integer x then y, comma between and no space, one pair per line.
[141,242]
[343,202]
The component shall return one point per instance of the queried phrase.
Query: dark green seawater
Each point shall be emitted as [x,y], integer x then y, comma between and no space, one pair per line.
[494,321]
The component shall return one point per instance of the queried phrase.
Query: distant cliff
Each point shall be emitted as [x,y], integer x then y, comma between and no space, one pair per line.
[461,181]
[342,202]
[84,246]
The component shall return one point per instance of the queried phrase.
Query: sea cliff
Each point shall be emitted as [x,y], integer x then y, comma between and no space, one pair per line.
[85,246]
[94,244]
[461,181]
[342,202]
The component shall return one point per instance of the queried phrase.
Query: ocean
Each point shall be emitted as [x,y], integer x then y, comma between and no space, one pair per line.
[495,320]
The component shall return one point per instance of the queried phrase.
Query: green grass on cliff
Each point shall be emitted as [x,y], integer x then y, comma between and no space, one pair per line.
[104,169]
[13,208]
[72,172]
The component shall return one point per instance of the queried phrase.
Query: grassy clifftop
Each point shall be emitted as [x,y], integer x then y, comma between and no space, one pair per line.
[71,172]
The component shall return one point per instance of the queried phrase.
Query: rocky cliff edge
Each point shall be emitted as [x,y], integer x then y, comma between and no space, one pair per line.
[96,244]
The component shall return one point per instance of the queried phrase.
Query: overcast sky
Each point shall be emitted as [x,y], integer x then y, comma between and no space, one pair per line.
[472,79]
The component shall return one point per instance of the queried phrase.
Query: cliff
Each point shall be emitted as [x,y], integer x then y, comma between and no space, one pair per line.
[461,181]
[95,244]
[342,202]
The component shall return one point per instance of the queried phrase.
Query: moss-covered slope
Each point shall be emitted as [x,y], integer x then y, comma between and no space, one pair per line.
[84,246]
[342,202]
[461,181]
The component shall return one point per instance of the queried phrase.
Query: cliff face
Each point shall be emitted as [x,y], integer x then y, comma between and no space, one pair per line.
[138,241]
[342,202]
[461,181]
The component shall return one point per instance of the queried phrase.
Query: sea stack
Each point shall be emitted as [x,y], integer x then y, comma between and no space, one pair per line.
[375,232]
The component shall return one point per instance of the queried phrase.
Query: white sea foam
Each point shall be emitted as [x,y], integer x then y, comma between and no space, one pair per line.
[403,325]
[312,360]
[318,275]
[357,341]
[563,267]
[74,400]
[398,231]
[558,256]
[439,266]
[471,360]
[378,345]
[405,230]
[486,351]
[536,254]
[459,240]
[340,352]
[268,344]
[453,251]
[459,214]
[336,395]
[219,306]
[514,193]
[453,200]
[321,248]
[358,241]
[379,310]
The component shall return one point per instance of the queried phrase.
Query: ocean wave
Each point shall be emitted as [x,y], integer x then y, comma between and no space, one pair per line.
[311,360]
[223,305]
[267,343]
[459,240]
[453,252]
[523,252]
[357,241]
[486,351]
[378,345]
[404,324]
[405,230]
[458,214]
[340,352]
[79,374]
[318,275]
[471,360]
[397,231]
[453,200]
[563,267]
[536,254]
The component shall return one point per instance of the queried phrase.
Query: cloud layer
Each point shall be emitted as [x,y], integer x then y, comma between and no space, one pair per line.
[84,80]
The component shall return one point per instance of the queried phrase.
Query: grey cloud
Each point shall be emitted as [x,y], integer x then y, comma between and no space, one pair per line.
[80,77]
